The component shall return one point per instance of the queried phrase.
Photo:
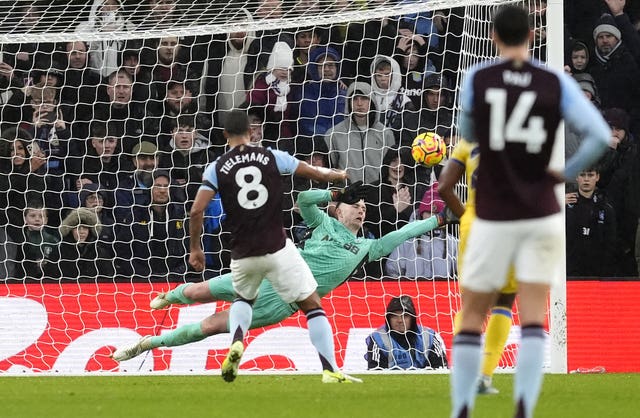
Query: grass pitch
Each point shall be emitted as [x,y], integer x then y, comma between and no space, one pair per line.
[302,396]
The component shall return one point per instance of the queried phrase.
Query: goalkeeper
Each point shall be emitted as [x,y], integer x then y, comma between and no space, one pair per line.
[333,252]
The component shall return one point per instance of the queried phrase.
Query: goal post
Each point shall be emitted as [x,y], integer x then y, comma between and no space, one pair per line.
[97,98]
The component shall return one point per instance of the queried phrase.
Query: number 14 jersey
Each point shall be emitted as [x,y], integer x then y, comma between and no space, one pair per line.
[249,181]
[513,109]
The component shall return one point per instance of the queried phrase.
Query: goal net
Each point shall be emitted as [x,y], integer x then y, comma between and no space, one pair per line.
[111,109]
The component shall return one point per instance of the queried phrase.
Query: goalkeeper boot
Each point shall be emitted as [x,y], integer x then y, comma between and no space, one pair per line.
[485,387]
[338,377]
[133,350]
[230,364]
[160,301]
[446,217]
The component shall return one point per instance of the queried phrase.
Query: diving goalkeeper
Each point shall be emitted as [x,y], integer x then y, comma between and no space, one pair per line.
[333,252]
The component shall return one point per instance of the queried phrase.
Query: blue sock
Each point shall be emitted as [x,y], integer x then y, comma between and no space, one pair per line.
[240,315]
[528,379]
[467,356]
[321,336]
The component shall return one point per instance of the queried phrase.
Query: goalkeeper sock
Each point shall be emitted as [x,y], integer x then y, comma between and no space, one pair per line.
[467,353]
[528,379]
[240,315]
[495,339]
[321,336]
[183,335]
[177,295]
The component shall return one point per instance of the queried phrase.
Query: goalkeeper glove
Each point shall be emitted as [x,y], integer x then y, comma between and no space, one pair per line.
[350,194]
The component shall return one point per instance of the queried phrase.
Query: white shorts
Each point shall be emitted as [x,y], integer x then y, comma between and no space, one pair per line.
[287,271]
[533,246]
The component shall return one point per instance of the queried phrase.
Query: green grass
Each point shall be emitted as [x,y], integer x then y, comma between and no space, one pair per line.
[302,396]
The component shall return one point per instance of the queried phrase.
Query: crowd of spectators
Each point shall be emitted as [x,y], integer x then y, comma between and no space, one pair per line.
[603,204]
[103,143]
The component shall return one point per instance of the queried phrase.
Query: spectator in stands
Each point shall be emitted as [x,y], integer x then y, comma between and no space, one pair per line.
[572,140]
[615,70]
[23,178]
[388,94]
[38,249]
[43,121]
[188,158]
[436,113]
[411,54]
[359,143]
[134,185]
[305,40]
[81,253]
[27,17]
[105,16]
[324,96]
[215,240]
[152,239]
[179,101]
[11,96]
[578,58]
[365,40]
[392,200]
[93,198]
[80,89]
[121,109]
[430,255]
[402,343]
[620,179]
[591,229]
[227,72]
[271,91]
[262,46]
[421,24]
[160,13]
[256,120]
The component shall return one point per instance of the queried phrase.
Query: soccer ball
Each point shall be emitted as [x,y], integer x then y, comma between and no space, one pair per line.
[428,149]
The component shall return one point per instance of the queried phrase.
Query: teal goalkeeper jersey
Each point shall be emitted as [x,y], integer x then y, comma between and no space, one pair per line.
[332,252]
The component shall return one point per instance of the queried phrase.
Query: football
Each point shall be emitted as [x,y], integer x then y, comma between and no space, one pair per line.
[428,149]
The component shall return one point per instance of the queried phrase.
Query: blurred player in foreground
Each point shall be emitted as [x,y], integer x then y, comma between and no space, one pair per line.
[512,108]
[333,251]
[464,162]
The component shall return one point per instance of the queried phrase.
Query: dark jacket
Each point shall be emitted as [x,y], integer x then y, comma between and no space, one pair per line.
[591,237]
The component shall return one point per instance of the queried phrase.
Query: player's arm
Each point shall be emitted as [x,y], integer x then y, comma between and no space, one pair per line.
[321,174]
[383,246]
[308,202]
[205,194]
[586,120]
[449,177]
[465,120]
[290,165]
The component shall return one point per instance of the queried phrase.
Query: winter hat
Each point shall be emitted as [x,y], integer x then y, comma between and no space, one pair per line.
[431,199]
[586,82]
[607,24]
[402,304]
[89,189]
[281,56]
[432,80]
[145,148]
[617,117]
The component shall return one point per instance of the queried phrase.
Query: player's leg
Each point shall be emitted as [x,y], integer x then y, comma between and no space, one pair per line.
[485,265]
[535,265]
[186,334]
[495,338]
[217,288]
[247,274]
[293,281]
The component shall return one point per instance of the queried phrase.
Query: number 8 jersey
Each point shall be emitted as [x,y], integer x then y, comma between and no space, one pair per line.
[248,179]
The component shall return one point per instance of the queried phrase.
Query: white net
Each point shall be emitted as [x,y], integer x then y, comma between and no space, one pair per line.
[110,112]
